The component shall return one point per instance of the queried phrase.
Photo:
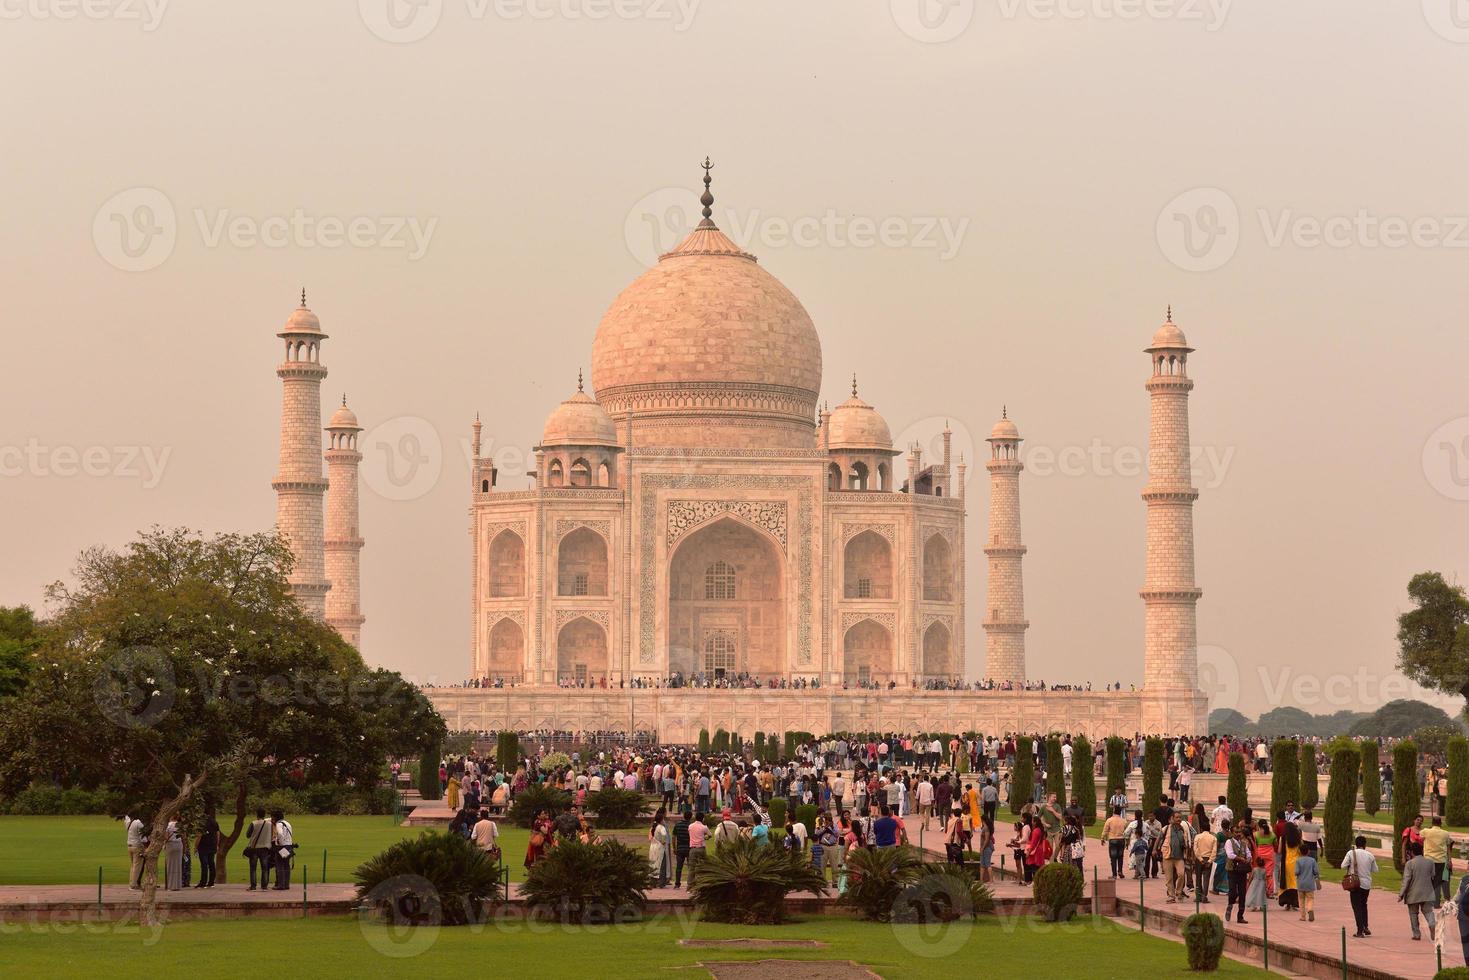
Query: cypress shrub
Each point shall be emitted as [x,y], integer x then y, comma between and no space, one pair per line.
[721,741]
[1341,802]
[1083,781]
[1407,795]
[1285,777]
[1310,788]
[1371,777]
[1238,793]
[777,811]
[1152,774]
[1022,774]
[703,741]
[428,773]
[507,751]
[1055,769]
[806,813]
[1457,806]
[1203,934]
[760,745]
[1116,765]
[1058,889]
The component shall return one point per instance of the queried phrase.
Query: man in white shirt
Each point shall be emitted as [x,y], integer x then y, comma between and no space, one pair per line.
[594,785]
[1221,813]
[1066,751]
[1359,861]
[136,846]
[283,845]
[486,834]
[925,799]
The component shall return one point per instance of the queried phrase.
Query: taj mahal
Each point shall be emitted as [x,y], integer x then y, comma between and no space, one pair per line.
[695,515]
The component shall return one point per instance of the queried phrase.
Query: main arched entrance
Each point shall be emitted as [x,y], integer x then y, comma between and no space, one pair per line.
[726,603]
[867,654]
[581,651]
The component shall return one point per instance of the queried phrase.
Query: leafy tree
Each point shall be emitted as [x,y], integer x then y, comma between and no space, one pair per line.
[1310,787]
[1116,765]
[1371,777]
[1083,780]
[181,670]
[1286,721]
[1433,740]
[1341,801]
[1152,774]
[1400,719]
[1237,792]
[1227,721]
[20,638]
[1285,777]
[1055,769]
[1457,805]
[1433,638]
[1022,774]
[1407,795]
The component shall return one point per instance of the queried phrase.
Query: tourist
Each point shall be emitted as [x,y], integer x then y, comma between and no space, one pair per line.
[1205,851]
[925,799]
[1360,863]
[173,858]
[727,832]
[1175,849]
[886,830]
[1265,845]
[1310,831]
[658,847]
[208,848]
[283,847]
[986,849]
[1308,881]
[1436,848]
[486,836]
[1290,843]
[451,793]
[1114,833]
[1221,813]
[137,839]
[1238,859]
[681,846]
[989,800]
[1413,833]
[257,849]
[540,837]
[1420,889]
[1037,849]
[698,835]
[1073,842]
[1255,891]
[1018,845]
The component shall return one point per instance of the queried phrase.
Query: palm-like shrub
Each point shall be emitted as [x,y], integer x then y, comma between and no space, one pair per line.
[1407,794]
[1237,790]
[1152,774]
[617,807]
[1371,777]
[893,884]
[535,798]
[745,883]
[1058,890]
[1285,777]
[1083,781]
[1022,775]
[575,882]
[433,879]
[1310,788]
[1204,935]
[1341,801]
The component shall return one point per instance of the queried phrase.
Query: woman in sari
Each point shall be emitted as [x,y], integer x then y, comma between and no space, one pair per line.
[1265,848]
[451,793]
[540,838]
[658,848]
[1221,757]
[1290,844]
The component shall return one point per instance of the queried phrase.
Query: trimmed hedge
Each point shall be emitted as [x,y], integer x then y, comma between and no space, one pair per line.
[507,751]
[1341,803]
[703,741]
[1058,889]
[1371,777]
[1310,788]
[1285,776]
[1116,765]
[428,773]
[1407,795]
[43,800]
[1022,774]
[1457,806]
[1237,793]
[1152,774]
[1203,934]
[777,811]
[1083,781]
[1055,769]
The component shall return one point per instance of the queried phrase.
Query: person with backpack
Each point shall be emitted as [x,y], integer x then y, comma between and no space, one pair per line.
[826,852]
[257,849]
[955,836]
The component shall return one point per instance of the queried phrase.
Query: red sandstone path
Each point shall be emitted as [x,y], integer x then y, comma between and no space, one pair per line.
[1390,948]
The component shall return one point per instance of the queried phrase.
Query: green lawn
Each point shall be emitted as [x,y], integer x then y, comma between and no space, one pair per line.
[341,947]
[68,850]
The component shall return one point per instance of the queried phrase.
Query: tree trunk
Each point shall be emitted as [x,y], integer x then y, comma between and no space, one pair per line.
[148,903]
[225,843]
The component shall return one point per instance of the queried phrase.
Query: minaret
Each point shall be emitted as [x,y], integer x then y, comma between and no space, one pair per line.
[1172,702]
[299,483]
[343,537]
[1004,621]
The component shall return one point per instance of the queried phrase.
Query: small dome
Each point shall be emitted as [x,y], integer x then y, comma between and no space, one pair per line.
[579,421]
[301,320]
[1169,337]
[1004,429]
[856,425]
[344,418]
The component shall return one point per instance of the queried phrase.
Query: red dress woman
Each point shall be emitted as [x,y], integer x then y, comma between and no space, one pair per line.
[540,838]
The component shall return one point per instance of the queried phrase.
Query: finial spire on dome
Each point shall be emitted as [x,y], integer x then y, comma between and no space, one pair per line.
[1170,312]
[854,384]
[303,297]
[344,399]
[1004,411]
[707,198]
[578,381]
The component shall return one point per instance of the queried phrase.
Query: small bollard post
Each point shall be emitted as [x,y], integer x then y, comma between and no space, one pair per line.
[323,865]
[99,889]
[1142,909]
[305,877]
[1096,892]
[1343,953]
[1265,924]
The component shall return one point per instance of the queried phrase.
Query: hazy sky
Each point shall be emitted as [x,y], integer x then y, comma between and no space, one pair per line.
[463,186]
